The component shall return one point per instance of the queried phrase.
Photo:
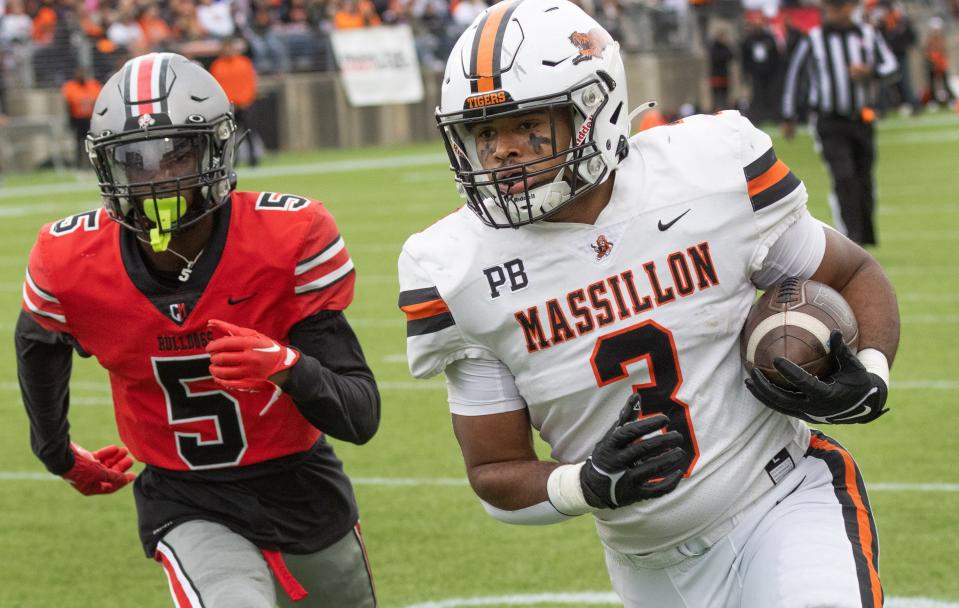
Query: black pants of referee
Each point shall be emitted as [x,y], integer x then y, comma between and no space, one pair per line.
[849,148]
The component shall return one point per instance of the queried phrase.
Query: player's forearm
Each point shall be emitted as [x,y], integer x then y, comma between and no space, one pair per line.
[516,492]
[511,485]
[331,384]
[43,369]
[343,405]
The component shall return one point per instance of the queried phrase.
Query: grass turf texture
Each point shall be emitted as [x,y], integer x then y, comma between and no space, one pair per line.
[432,542]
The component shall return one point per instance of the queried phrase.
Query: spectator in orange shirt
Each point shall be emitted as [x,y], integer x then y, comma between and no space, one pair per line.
[44,24]
[155,29]
[354,14]
[235,73]
[80,95]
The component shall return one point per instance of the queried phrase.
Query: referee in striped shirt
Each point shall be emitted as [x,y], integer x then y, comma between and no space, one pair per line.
[839,66]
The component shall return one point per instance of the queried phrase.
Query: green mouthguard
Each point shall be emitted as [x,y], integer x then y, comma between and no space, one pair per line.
[162,213]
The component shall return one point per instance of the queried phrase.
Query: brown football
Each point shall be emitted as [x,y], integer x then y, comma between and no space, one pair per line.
[794,320]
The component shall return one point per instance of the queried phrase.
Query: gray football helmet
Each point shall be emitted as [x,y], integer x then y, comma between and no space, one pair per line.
[162,140]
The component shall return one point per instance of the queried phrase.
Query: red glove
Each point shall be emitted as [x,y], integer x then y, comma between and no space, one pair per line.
[244,359]
[102,472]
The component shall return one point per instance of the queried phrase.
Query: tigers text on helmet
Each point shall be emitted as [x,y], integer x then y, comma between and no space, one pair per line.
[523,56]
[162,141]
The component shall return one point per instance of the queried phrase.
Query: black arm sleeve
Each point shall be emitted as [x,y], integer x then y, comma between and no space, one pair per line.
[44,363]
[331,384]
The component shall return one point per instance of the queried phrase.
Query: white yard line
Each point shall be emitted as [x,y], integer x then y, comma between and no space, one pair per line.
[606,598]
[920,137]
[919,296]
[394,358]
[912,237]
[84,386]
[462,482]
[318,168]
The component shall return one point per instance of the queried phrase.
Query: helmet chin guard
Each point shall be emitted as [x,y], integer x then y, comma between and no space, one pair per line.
[523,56]
[539,202]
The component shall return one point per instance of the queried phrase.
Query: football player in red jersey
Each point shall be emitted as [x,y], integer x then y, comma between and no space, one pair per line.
[219,317]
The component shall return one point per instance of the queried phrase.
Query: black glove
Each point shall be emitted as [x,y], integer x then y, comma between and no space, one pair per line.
[624,468]
[849,395]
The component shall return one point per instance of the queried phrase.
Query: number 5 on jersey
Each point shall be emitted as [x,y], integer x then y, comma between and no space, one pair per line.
[185,405]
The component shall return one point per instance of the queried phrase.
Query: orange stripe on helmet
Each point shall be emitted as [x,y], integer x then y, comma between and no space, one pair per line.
[768,178]
[424,310]
[487,45]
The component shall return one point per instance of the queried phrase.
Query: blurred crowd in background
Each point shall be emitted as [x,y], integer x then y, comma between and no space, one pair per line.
[41,41]
[44,42]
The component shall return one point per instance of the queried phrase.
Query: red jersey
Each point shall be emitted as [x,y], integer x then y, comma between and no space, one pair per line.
[279,259]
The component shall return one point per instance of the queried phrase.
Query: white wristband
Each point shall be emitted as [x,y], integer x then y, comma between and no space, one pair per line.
[875,362]
[565,491]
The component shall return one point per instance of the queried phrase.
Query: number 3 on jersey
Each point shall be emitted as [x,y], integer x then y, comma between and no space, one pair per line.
[186,404]
[653,343]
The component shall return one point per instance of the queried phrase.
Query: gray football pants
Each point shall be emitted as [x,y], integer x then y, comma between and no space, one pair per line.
[210,566]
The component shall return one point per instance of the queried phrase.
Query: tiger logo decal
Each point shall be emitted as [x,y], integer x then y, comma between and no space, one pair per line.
[589,45]
[601,247]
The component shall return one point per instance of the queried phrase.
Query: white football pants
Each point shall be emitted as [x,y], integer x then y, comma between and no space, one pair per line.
[810,542]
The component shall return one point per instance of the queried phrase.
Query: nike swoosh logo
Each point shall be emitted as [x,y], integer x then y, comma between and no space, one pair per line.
[274,348]
[233,302]
[850,413]
[664,227]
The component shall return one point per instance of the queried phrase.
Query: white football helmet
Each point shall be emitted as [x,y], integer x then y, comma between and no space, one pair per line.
[523,55]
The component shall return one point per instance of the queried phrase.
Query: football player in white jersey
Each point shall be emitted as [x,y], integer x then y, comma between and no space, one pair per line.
[594,287]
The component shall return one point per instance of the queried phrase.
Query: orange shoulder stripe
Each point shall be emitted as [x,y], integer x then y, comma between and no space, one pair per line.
[423,310]
[768,178]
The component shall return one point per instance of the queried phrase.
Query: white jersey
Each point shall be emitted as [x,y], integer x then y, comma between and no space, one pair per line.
[651,298]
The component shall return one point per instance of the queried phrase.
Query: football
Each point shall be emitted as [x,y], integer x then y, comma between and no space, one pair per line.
[794,320]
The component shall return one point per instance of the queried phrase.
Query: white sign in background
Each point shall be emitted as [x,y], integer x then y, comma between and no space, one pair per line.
[378,65]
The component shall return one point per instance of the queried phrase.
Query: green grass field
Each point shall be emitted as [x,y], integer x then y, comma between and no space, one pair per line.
[429,539]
